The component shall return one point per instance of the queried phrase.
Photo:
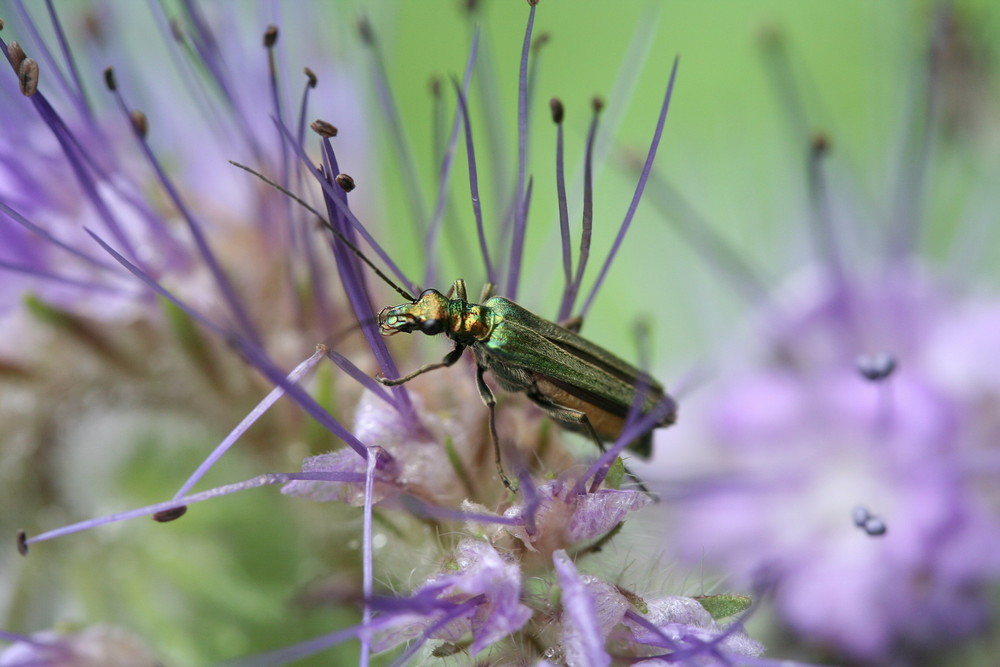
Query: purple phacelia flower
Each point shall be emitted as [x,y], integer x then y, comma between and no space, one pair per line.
[559,515]
[806,443]
[475,571]
[599,620]
[686,627]
[417,468]
[851,457]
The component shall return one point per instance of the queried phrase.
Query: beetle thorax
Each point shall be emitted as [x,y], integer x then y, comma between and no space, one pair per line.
[470,322]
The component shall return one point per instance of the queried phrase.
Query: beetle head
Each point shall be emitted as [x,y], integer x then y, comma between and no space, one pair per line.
[429,314]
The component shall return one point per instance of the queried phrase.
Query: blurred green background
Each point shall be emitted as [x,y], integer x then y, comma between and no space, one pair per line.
[729,145]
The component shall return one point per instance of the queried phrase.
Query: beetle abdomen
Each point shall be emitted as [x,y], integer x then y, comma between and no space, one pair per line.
[607,424]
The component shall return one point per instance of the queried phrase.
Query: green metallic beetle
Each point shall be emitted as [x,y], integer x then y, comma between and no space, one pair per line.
[577,383]
[581,385]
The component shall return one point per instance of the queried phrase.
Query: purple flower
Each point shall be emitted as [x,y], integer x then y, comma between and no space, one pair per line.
[851,458]
[559,515]
[667,630]
[418,457]
[685,625]
[804,444]
[476,571]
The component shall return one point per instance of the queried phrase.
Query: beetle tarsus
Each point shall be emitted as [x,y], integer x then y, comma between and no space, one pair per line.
[449,360]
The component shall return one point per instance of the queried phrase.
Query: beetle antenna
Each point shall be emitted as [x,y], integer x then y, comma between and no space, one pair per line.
[348,330]
[326,223]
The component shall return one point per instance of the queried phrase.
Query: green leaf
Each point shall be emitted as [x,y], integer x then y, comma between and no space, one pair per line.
[724,605]
[616,473]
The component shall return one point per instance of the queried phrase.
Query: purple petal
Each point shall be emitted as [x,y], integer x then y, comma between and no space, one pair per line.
[684,625]
[583,640]
[477,573]
[597,513]
[486,572]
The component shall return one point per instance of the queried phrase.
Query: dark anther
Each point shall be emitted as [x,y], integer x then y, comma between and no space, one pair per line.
[558,111]
[17,56]
[860,515]
[22,543]
[540,41]
[820,144]
[532,3]
[270,36]
[868,522]
[311,75]
[323,128]
[345,181]
[365,31]
[875,527]
[383,459]
[140,123]
[471,5]
[176,32]
[435,86]
[109,79]
[597,103]
[171,514]
[1,24]
[27,76]
[876,367]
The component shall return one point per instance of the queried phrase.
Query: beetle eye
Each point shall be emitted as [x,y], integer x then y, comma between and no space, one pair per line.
[432,327]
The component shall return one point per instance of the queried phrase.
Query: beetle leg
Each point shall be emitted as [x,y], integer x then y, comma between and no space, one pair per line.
[643,447]
[458,290]
[490,401]
[487,292]
[570,416]
[449,360]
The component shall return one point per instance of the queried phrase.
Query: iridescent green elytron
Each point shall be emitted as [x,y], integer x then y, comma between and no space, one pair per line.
[577,383]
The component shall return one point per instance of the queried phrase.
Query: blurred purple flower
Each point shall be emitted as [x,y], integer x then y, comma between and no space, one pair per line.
[853,458]
[806,440]
[99,163]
